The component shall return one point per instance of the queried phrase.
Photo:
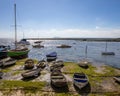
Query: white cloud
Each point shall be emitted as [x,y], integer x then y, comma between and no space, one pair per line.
[79,33]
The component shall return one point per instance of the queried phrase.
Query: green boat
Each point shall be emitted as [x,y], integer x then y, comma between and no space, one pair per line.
[18,52]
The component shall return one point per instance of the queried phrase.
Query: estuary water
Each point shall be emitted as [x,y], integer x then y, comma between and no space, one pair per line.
[77,52]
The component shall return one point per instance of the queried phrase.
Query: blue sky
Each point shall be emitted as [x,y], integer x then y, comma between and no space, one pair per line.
[61,18]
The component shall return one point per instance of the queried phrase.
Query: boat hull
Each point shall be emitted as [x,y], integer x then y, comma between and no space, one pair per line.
[3,54]
[18,54]
[80,80]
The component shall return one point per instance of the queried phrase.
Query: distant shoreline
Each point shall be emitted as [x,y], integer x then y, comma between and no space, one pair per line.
[81,39]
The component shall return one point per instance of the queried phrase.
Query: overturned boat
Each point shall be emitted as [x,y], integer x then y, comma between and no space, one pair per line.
[80,80]
[31,73]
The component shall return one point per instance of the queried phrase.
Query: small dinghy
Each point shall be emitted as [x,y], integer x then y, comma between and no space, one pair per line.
[108,53]
[58,79]
[41,64]
[7,62]
[38,46]
[83,64]
[80,80]
[38,41]
[29,64]
[64,46]
[52,56]
[31,73]
[117,78]
[56,65]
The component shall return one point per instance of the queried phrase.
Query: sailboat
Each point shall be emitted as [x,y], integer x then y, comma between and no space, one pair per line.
[19,51]
[106,52]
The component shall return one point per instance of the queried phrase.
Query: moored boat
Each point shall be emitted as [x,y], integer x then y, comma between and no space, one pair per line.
[38,46]
[80,80]
[23,41]
[31,73]
[64,46]
[38,42]
[51,56]
[108,53]
[17,52]
[3,51]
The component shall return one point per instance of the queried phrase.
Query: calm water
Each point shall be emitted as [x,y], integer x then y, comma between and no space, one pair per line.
[76,52]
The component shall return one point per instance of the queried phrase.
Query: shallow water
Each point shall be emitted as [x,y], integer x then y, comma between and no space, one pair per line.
[77,52]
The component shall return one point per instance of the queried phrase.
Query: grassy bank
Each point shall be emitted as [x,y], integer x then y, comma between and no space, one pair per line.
[100,81]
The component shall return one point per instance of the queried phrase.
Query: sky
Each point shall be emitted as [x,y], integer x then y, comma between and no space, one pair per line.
[61,18]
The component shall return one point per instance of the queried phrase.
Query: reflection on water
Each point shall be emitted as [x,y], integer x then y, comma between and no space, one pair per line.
[76,52]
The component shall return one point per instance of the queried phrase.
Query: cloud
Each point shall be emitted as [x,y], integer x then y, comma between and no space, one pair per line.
[78,33]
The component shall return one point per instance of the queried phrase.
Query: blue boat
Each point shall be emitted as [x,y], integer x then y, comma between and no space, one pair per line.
[24,41]
[51,56]
[80,80]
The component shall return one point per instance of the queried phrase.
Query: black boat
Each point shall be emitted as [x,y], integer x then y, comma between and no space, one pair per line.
[64,46]
[3,51]
[80,80]
[51,56]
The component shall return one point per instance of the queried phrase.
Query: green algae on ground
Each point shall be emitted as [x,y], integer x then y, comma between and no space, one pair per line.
[26,85]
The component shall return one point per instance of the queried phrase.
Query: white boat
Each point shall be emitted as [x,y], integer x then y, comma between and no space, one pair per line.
[80,80]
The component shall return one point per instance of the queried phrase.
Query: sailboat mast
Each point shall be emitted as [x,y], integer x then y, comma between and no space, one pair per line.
[15,25]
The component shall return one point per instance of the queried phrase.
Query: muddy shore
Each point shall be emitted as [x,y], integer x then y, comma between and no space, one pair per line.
[101,82]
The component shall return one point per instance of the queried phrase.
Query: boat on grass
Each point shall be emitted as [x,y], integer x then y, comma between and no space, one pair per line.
[7,62]
[83,64]
[41,64]
[58,79]
[80,80]
[117,78]
[31,73]
[29,64]
[51,56]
